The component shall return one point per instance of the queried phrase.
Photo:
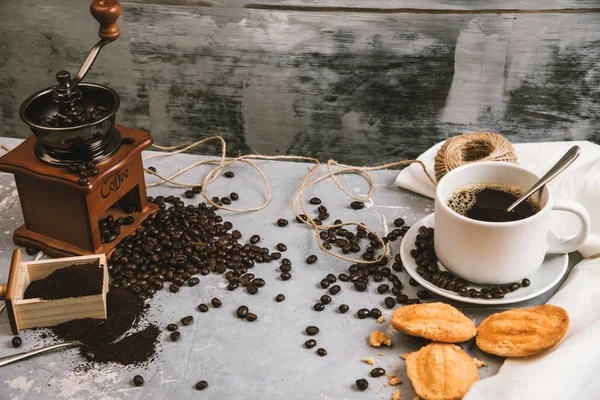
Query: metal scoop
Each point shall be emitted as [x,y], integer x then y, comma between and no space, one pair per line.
[559,167]
[92,337]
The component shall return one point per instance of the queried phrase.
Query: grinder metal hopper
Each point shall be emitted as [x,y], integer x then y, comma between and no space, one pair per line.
[79,165]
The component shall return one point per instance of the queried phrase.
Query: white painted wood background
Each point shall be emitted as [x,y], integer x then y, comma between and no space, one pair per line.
[360,81]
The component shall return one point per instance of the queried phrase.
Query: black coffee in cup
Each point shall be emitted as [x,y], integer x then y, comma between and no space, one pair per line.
[489,201]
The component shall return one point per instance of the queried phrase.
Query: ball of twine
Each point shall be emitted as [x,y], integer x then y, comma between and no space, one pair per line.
[472,147]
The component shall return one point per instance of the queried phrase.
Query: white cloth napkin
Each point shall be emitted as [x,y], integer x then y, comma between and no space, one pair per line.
[571,370]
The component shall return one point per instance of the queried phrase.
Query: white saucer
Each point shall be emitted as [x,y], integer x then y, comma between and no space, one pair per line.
[549,274]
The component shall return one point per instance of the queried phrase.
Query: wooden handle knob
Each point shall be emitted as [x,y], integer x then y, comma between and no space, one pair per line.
[106,13]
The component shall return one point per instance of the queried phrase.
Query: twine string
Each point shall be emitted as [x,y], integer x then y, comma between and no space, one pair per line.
[222,162]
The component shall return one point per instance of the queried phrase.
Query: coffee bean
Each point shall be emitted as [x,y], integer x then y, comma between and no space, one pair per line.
[331,278]
[279,298]
[129,220]
[193,281]
[390,302]
[83,181]
[335,289]
[310,343]
[362,384]
[175,336]
[322,352]
[172,327]
[324,283]
[202,307]
[281,247]
[251,317]
[360,286]
[398,222]
[31,251]
[254,239]
[242,311]
[381,289]
[216,302]
[226,200]
[187,320]
[424,294]
[514,286]
[357,205]
[138,380]
[311,259]
[285,276]
[401,299]
[315,201]
[17,341]
[343,277]
[282,222]
[525,282]
[413,301]
[128,140]
[497,295]
[377,372]
[173,288]
[201,385]
[325,299]
[375,313]
[319,307]
[301,218]
[251,289]
[363,313]
[189,194]
[285,268]
[343,308]
[412,282]
[311,330]
[228,174]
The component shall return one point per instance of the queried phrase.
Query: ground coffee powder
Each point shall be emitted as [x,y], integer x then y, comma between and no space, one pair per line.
[120,300]
[110,329]
[75,329]
[133,349]
[73,281]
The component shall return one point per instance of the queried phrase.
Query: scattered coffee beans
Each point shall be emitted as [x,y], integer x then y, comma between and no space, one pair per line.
[216,302]
[172,327]
[281,247]
[193,281]
[375,313]
[398,222]
[310,343]
[311,259]
[424,294]
[315,201]
[201,385]
[282,222]
[228,174]
[251,317]
[377,372]
[31,251]
[363,313]
[525,282]
[343,308]
[322,352]
[175,336]
[17,341]
[319,307]
[325,299]
[390,302]
[279,298]
[187,320]
[285,276]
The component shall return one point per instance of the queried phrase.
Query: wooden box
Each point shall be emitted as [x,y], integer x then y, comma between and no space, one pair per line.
[37,313]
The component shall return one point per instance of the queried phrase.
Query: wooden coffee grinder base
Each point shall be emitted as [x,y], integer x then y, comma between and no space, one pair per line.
[61,216]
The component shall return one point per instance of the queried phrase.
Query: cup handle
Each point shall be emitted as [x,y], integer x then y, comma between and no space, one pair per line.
[573,244]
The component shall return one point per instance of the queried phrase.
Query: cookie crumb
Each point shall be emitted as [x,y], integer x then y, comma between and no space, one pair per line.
[377,338]
[385,385]
[479,363]
[396,395]
[369,361]
[380,354]
[380,320]
[404,356]
[394,380]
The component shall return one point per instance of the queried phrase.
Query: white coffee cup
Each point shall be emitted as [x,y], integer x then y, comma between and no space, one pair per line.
[495,253]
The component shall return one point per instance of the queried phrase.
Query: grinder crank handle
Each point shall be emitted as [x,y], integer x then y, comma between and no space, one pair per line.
[106,12]
[21,356]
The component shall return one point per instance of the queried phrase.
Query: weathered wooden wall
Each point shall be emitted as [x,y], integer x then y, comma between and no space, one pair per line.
[357,80]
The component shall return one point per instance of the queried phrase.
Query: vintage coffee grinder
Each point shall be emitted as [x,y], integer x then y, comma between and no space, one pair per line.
[79,167]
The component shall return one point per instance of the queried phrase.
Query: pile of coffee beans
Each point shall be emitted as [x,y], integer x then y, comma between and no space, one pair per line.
[178,242]
[110,228]
[84,170]
[75,117]
[427,267]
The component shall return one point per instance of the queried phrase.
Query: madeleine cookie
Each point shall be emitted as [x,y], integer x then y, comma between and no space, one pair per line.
[441,371]
[522,332]
[436,321]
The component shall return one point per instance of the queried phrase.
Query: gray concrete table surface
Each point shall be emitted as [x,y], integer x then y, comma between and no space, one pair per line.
[265,359]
